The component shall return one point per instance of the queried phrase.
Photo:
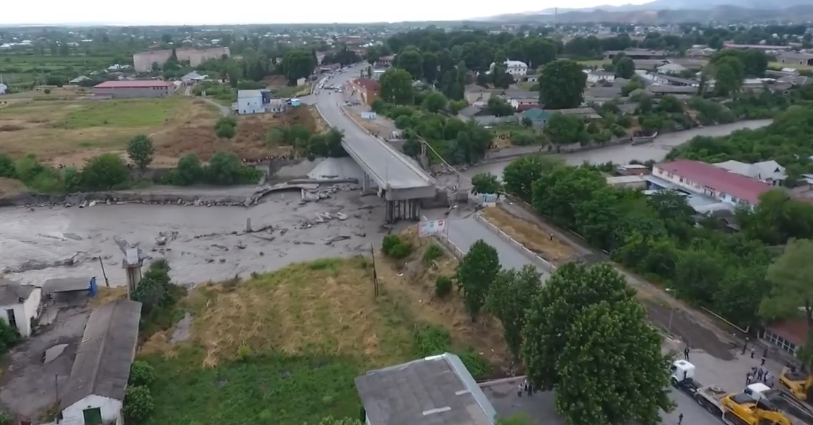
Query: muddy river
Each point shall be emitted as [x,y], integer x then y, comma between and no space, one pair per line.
[200,243]
[624,154]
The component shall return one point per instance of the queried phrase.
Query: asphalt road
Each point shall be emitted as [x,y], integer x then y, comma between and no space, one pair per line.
[540,408]
[385,163]
[465,231]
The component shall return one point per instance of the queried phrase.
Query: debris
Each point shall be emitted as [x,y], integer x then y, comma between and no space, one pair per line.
[270,239]
[307,243]
[220,246]
[341,216]
[336,239]
[361,235]
[367,207]
[52,353]
[161,240]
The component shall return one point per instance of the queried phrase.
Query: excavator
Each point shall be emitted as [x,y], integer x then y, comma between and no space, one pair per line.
[797,384]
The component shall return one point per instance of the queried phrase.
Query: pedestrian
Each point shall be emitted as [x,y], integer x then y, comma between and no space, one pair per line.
[686,353]
[680,419]
[752,352]
[763,361]
[551,236]
[748,378]
[767,377]
[519,390]
[760,372]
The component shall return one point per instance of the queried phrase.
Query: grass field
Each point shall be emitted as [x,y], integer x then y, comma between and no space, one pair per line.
[529,235]
[780,65]
[284,347]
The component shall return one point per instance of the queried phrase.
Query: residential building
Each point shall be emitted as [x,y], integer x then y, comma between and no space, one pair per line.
[671,69]
[19,305]
[795,58]
[470,112]
[69,290]
[633,170]
[649,64]
[385,61]
[516,68]
[662,90]
[433,390]
[627,182]
[708,180]
[125,89]
[599,76]
[766,171]
[252,101]
[671,80]
[192,78]
[763,47]
[523,103]
[587,114]
[368,88]
[95,390]
[537,116]
[377,73]
[142,62]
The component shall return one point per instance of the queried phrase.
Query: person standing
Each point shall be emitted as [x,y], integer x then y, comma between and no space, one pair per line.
[680,419]
[686,353]
[752,352]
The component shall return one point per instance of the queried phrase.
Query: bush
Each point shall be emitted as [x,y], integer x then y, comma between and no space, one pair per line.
[243,353]
[401,250]
[105,171]
[431,340]
[225,132]
[394,247]
[141,374]
[8,337]
[443,286]
[432,253]
[138,404]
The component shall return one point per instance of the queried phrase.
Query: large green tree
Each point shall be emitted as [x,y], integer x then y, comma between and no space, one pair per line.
[485,183]
[475,273]
[396,87]
[519,176]
[561,85]
[509,298]
[586,338]
[140,150]
[296,64]
[791,276]
[565,129]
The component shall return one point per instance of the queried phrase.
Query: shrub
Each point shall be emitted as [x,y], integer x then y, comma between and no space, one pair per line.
[243,353]
[443,286]
[47,91]
[105,171]
[225,132]
[432,253]
[389,242]
[138,404]
[141,374]
[402,250]
[8,337]
[6,418]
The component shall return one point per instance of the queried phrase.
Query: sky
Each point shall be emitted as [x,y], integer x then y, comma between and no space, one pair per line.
[160,12]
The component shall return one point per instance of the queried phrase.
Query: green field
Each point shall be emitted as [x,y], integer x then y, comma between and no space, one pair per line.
[121,113]
[22,69]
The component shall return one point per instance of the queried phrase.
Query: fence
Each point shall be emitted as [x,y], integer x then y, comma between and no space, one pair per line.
[444,240]
[539,261]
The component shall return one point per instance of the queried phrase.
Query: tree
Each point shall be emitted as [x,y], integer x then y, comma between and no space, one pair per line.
[475,273]
[141,373]
[561,85]
[140,150]
[138,404]
[485,183]
[625,68]
[509,297]
[565,129]
[587,338]
[396,87]
[790,275]
[434,102]
[296,64]
[499,107]
[8,337]
[104,172]
[188,171]
[728,73]
[411,60]
[430,67]
[224,168]
[519,176]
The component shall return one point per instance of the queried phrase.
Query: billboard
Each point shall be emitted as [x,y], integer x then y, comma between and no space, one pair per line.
[431,227]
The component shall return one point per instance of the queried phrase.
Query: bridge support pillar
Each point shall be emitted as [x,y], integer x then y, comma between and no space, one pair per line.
[367,185]
[409,209]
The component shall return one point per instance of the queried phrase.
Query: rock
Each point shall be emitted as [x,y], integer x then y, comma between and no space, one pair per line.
[222,260]
[161,240]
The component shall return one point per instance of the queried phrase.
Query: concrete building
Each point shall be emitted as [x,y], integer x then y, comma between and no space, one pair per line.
[125,89]
[514,68]
[95,390]
[599,76]
[252,101]
[142,62]
[433,390]
[19,305]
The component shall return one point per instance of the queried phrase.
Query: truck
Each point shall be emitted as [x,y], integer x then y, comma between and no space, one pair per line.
[732,408]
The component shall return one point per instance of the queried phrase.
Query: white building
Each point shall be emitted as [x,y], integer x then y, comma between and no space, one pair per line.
[95,390]
[19,305]
[515,68]
[192,78]
[671,69]
[250,102]
[599,76]
[766,171]
[3,88]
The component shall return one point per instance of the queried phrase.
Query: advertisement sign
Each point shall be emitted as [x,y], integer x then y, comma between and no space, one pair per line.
[488,199]
[431,227]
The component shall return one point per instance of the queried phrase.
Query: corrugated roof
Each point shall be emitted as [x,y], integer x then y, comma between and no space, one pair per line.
[436,390]
[66,284]
[103,359]
[718,179]
[12,292]
[132,84]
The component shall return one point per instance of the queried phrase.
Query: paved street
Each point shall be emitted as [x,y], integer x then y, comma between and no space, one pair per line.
[384,162]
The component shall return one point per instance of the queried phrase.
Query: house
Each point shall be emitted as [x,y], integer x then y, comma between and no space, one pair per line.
[706,179]
[474,93]
[530,78]
[523,103]
[125,89]
[766,171]
[69,290]
[19,305]
[599,76]
[787,335]
[671,69]
[368,88]
[628,182]
[649,64]
[470,112]
[252,101]
[433,390]
[95,389]
[795,58]
[192,78]
[537,116]
[662,90]
[671,80]
[377,73]
[385,61]
[516,68]
[633,170]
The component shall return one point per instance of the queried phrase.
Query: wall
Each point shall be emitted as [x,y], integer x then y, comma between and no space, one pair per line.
[142,62]
[127,93]
[250,105]
[111,410]
[23,313]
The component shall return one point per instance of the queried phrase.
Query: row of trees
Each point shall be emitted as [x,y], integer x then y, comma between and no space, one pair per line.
[327,144]
[581,320]
[656,236]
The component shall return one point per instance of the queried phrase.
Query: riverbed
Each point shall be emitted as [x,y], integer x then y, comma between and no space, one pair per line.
[623,154]
[201,244]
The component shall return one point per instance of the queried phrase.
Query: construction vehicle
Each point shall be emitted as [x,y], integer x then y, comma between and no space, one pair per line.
[782,399]
[797,384]
[732,408]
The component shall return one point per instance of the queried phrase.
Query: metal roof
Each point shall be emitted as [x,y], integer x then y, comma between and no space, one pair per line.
[66,284]
[102,365]
[437,390]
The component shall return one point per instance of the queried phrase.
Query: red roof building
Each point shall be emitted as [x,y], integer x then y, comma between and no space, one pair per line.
[712,181]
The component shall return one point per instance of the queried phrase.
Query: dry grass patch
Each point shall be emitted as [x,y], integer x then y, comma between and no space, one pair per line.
[530,235]
[10,188]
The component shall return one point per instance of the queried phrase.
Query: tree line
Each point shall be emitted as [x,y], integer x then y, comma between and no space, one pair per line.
[661,237]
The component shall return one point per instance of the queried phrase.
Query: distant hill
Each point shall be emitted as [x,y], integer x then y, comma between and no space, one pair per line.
[672,11]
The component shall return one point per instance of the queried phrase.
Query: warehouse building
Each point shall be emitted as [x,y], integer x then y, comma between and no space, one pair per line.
[142,62]
[134,88]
